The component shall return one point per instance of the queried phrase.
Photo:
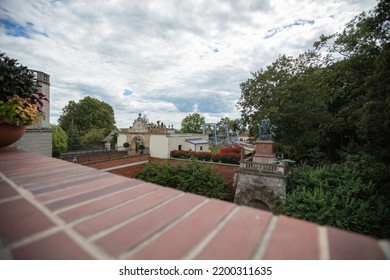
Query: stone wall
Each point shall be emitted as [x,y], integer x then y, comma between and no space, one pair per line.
[37,140]
[254,187]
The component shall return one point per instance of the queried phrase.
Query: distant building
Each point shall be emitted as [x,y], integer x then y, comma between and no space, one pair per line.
[160,140]
[38,137]
[162,145]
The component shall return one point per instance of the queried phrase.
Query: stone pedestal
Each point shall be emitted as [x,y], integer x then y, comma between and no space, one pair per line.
[264,152]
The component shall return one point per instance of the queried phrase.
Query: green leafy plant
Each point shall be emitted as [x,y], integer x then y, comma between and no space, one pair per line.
[20,100]
[190,176]
[17,111]
[126,145]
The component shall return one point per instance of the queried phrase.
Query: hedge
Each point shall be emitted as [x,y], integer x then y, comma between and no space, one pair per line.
[226,157]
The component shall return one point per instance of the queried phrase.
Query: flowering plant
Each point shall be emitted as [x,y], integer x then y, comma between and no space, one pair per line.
[17,111]
[20,101]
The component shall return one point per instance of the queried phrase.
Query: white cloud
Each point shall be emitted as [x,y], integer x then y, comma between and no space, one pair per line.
[172,56]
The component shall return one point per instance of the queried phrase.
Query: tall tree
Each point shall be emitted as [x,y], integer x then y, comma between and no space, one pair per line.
[86,114]
[332,99]
[358,84]
[74,139]
[287,92]
[59,140]
[192,123]
[94,137]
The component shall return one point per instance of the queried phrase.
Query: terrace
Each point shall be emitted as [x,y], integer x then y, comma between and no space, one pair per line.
[53,209]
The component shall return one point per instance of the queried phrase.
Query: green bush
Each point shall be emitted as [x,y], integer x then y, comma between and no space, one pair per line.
[191,176]
[335,195]
[227,157]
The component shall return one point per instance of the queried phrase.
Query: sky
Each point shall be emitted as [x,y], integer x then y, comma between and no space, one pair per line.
[165,59]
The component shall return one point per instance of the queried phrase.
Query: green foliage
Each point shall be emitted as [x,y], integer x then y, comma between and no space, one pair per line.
[192,123]
[126,145]
[232,125]
[19,96]
[190,176]
[59,140]
[227,157]
[94,137]
[89,113]
[74,138]
[328,98]
[17,111]
[335,195]
[17,79]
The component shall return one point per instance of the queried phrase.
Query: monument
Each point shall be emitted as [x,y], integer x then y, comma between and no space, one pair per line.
[262,182]
[265,144]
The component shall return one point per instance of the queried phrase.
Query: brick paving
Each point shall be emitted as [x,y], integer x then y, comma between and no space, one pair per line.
[52,209]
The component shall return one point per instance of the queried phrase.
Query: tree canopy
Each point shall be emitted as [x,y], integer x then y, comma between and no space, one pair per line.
[192,123]
[89,113]
[330,99]
[331,106]
[59,140]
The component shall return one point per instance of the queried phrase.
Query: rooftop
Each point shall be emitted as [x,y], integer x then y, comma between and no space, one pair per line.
[53,209]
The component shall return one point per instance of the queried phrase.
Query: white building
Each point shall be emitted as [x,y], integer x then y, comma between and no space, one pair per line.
[162,144]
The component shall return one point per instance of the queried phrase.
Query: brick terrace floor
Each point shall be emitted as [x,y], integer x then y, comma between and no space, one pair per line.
[52,209]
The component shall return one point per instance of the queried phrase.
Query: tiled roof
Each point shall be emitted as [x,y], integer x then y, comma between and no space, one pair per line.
[52,209]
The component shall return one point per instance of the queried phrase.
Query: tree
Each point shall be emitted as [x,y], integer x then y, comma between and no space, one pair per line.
[358,80]
[86,114]
[192,123]
[59,140]
[331,99]
[74,138]
[94,137]
[233,125]
[288,92]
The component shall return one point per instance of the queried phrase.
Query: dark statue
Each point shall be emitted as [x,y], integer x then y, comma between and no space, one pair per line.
[266,129]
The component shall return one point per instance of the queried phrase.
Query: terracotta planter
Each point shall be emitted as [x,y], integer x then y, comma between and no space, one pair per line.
[10,134]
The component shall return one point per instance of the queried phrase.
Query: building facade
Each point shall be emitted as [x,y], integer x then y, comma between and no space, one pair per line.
[161,145]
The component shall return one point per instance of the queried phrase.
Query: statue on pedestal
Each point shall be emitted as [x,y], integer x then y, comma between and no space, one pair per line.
[266,130]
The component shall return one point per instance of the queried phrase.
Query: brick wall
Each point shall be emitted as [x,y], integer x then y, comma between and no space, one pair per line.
[226,170]
[117,162]
[87,158]
[129,172]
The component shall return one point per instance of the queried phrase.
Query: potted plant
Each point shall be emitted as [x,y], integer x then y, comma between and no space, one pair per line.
[141,148]
[20,101]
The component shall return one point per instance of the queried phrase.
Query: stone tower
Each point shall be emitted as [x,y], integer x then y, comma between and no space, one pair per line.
[38,137]
[43,80]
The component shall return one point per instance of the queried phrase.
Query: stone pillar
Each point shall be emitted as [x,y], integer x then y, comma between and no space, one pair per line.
[264,152]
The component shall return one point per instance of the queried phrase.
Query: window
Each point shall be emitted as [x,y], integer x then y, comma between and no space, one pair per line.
[179,148]
[201,148]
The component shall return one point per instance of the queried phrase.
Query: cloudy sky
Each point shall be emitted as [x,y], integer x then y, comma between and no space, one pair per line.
[162,58]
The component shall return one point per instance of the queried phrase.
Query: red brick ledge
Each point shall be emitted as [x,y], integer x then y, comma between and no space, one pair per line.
[52,209]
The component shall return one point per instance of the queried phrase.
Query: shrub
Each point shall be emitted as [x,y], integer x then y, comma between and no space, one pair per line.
[232,158]
[233,149]
[191,176]
[335,195]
